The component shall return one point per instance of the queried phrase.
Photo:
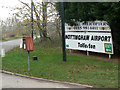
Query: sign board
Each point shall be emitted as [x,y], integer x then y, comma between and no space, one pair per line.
[91,36]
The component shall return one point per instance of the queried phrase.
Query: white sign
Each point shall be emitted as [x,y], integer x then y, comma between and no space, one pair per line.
[89,26]
[92,36]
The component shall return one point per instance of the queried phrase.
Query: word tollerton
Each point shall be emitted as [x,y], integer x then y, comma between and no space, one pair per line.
[87,37]
[83,45]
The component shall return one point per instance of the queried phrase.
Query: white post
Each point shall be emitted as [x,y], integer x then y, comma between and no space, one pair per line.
[109,56]
[2,52]
[21,43]
[70,51]
[1,81]
[87,53]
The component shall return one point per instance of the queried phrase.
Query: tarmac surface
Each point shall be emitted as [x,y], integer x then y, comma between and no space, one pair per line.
[8,45]
[13,81]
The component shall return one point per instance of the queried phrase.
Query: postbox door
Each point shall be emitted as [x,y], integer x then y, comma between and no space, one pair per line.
[29,44]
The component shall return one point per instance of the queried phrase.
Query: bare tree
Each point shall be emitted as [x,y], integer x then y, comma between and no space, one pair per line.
[41,15]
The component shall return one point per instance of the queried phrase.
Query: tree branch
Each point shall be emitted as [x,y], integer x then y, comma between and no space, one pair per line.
[51,15]
[24,4]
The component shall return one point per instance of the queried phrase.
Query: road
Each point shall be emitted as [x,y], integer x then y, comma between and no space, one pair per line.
[8,45]
[12,81]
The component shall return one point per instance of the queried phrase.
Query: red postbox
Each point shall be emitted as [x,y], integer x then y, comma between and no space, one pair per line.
[28,43]
[28,46]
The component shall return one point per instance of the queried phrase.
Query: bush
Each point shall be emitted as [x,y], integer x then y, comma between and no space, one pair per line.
[13,35]
[54,42]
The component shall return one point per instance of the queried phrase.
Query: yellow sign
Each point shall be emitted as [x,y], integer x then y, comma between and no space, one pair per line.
[103,28]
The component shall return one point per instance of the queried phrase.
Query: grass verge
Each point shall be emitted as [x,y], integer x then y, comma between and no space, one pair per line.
[13,38]
[78,69]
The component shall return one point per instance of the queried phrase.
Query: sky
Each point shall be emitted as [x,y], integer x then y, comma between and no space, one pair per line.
[6,7]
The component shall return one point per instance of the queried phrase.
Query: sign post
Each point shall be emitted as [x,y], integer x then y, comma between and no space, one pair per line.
[63,31]
[32,16]
[28,61]
[87,53]
[109,56]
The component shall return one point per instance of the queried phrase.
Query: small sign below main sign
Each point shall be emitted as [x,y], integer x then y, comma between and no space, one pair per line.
[108,48]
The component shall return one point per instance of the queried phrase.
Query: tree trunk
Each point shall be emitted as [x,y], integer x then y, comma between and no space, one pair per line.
[115,35]
[44,24]
[44,4]
[58,26]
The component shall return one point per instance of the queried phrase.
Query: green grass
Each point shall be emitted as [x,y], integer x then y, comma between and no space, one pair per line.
[13,38]
[78,69]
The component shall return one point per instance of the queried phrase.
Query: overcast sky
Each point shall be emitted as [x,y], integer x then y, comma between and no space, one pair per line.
[7,5]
